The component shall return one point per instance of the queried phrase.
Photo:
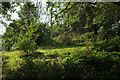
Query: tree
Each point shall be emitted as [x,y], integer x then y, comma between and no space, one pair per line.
[23,25]
[18,27]
[81,17]
[25,39]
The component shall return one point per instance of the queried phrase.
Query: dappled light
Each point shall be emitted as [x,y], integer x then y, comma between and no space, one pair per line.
[60,40]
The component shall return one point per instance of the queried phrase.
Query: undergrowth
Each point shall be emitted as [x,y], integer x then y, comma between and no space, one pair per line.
[68,63]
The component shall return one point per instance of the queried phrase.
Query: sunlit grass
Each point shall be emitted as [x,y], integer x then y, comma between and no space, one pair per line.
[47,53]
[13,58]
[47,61]
[61,50]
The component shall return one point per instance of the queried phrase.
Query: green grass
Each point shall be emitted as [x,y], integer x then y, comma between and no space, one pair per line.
[74,61]
[13,61]
[47,53]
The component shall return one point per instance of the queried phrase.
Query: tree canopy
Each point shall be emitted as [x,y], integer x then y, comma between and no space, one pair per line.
[67,19]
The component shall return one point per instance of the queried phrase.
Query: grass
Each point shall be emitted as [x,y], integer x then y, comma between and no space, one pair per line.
[12,60]
[44,53]
[75,61]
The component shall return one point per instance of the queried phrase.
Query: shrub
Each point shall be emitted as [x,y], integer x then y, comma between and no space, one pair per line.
[63,39]
[26,39]
[110,45]
[101,65]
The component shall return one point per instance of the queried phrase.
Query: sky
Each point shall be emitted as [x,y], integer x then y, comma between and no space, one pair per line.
[14,16]
[2,29]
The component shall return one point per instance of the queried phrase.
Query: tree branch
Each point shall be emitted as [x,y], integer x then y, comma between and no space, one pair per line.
[66,8]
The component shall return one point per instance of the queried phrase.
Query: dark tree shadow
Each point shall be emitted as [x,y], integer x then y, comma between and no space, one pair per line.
[70,46]
[52,56]
[38,54]
[88,67]
[30,70]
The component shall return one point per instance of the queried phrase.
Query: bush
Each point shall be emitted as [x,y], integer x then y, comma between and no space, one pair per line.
[101,65]
[26,40]
[26,45]
[63,39]
[110,45]
[83,37]
[8,39]
[7,46]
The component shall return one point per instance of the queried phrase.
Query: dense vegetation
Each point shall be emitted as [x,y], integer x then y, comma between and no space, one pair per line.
[80,40]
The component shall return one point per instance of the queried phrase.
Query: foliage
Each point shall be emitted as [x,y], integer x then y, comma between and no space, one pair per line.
[92,66]
[7,38]
[101,65]
[110,45]
[18,28]
[26,40]
[65,39]
[75,50]
[44,34]
[77,16]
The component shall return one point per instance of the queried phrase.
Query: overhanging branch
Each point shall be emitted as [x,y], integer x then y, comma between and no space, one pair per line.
[66,8]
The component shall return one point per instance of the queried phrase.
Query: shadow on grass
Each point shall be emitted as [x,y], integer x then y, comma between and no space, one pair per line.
[85,67]
[69,46]
[41,55]
[59,46]
[38,54]
[31,70]
[52,56]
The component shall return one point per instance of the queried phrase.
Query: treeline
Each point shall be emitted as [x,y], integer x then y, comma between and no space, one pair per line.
[70,23]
